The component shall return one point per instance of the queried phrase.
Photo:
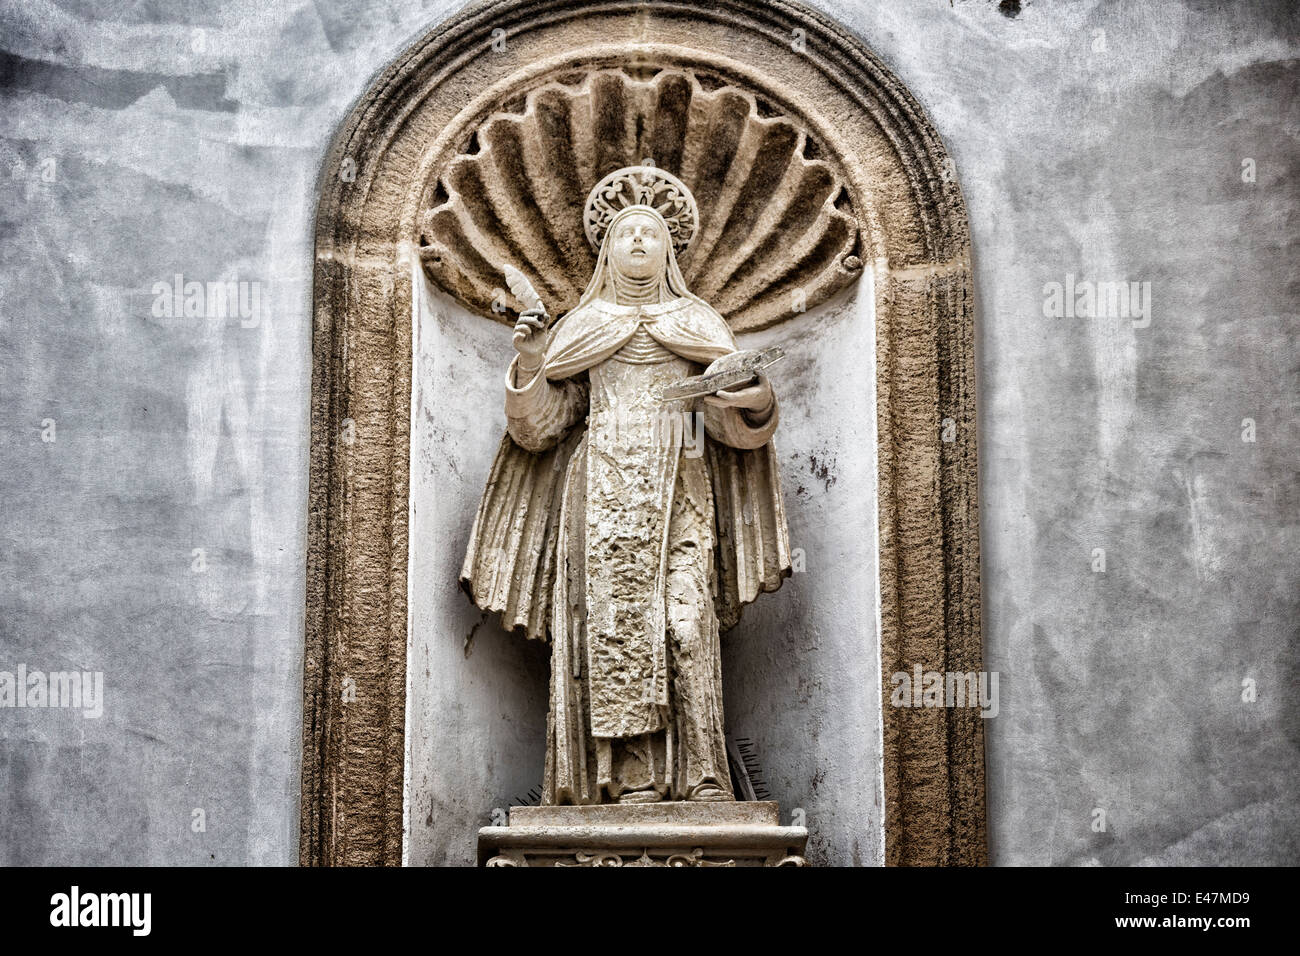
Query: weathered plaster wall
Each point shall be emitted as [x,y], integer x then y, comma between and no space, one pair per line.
[801,670]
[1107,142]
[136,144]
[476,695]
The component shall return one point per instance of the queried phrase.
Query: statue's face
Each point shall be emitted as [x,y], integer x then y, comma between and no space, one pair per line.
[639,246]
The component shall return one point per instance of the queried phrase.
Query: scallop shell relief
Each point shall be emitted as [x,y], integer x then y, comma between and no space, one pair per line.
[777,233]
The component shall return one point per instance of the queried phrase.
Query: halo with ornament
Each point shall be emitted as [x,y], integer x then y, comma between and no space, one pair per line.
[642,186]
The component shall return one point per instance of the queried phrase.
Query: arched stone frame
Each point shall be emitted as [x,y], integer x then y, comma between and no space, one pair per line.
[914,236]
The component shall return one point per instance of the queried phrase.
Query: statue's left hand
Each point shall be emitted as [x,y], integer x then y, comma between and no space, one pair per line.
[754,397]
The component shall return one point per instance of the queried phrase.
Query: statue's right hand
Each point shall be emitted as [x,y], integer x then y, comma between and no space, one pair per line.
[530,339]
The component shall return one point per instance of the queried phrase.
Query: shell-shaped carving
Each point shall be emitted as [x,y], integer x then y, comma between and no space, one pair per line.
[777,233]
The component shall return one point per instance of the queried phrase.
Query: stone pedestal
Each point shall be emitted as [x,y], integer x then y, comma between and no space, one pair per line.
[656,834]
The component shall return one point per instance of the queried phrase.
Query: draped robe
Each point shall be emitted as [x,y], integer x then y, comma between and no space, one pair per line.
[571,542]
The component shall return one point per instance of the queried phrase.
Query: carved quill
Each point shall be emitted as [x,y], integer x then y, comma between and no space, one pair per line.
[522,289]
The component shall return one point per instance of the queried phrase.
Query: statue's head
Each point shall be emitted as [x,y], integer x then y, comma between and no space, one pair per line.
[638,243]
[645,188]
[639,219]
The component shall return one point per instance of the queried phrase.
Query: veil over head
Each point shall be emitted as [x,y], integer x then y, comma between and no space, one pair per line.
[599,325]
[605,278]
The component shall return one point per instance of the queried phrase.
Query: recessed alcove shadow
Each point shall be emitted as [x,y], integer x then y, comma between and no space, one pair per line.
[794,668]
[476,695]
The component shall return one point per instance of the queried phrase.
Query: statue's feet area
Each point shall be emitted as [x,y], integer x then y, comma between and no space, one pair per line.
[710,793]
[640,796]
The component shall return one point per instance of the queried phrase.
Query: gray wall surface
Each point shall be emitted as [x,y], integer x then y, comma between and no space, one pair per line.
[159,538]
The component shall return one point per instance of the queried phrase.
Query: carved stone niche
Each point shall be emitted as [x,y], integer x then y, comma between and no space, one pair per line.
[830,216]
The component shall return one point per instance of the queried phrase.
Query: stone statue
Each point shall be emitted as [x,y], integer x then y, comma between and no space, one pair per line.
[627,528]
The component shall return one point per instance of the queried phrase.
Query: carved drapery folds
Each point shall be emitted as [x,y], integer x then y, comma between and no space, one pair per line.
[778,233]
[810,161]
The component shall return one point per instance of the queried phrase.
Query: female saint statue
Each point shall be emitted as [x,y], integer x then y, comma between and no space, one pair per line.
[625,528]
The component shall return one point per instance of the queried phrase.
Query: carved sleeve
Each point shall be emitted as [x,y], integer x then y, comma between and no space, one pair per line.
[738,427]
[539,413]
